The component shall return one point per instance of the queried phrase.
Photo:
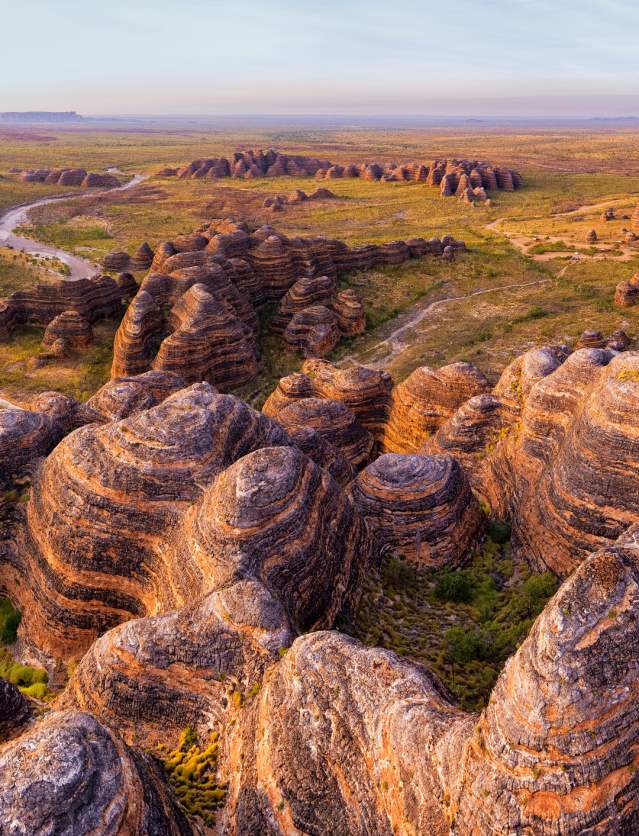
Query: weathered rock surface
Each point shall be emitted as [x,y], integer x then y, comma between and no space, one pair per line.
[124,396]
[69,774]
[334,422]
[420,506]
[425,400]
[70,327]
[101,507]
[94,298]
[226,641]
[313,331]
[351,316]
[627,293]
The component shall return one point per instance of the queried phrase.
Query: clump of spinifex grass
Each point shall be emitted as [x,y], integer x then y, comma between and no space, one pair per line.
[192,773]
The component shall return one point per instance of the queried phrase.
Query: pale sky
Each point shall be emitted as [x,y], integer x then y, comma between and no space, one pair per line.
[460,57]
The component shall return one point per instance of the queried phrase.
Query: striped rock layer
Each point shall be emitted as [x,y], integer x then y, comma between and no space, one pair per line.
[170,325]
[139,515]
[341,737]
[420,506]
[422,402]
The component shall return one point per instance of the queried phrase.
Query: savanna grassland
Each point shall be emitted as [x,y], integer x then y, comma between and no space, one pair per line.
[528,275]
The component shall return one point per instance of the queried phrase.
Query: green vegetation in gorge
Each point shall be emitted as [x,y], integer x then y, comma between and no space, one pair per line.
[463,624]
[192,774]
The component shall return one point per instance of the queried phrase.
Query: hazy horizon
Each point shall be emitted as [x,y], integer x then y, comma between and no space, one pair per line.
[521,58]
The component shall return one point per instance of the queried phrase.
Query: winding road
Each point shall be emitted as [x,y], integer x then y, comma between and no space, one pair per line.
[79,268]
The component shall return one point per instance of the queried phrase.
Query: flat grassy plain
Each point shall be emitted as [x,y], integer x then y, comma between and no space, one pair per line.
[514,288]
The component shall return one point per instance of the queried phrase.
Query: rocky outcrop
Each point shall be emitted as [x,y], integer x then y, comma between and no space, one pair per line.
[456,174]
[70,327]
[566,473]
[591,339]
[100,181]
[93,547]
[208,342]
[138,337]
[419,506]
[627,292]
[95,298]
[425,400]
[334,422]
[313,331]
[70,774]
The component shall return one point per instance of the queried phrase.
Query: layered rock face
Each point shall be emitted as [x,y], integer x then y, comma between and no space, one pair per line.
[425,400]
[119,260]
[195,312]
[70,774]
[566,473]
[421,506]
[71,328]
[15,711]
[334,422]
[101,508]
[94,298]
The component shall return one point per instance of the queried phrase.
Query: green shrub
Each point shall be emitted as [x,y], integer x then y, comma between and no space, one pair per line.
[454,586]
[9,621]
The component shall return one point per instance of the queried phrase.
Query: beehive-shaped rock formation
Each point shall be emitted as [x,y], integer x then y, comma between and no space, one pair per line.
[425,400]
[303,294]
[334,422]
[138,337]
[419,506]
[313,331]
[70,774]
[350,313]
[101,506]
[566,494]
[627,293]
[70,327]
[228,640]
[208,342]
[279,518]
[366,392]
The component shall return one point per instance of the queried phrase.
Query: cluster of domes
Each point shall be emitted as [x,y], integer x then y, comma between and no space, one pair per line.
[94,298]
[195,313]
[187,542]
[468,179]
[70,177]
